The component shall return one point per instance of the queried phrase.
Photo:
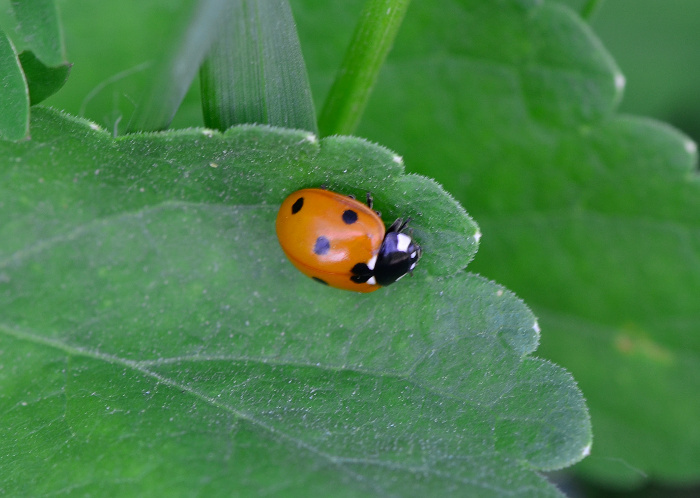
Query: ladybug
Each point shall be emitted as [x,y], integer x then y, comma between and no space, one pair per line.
[341,242]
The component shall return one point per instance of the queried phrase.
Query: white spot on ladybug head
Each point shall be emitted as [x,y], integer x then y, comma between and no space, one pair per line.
[402,242]
[412,266]
[371,262]
[413,255]
[372,281]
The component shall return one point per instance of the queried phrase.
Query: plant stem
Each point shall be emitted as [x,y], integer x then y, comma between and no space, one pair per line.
[589,8]
[374,36]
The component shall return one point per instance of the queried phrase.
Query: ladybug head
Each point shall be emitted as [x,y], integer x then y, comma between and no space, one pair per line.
[397,256]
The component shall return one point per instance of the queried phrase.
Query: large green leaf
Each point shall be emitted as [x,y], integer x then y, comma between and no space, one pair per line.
[591,216]
[156,341]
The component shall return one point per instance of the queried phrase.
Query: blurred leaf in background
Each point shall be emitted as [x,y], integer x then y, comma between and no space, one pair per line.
[591,216]
[657,46]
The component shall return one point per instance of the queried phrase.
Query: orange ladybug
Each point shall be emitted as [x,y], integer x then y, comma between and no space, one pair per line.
[340,242]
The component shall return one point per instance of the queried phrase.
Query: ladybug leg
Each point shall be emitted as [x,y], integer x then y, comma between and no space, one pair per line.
[361,273]
[370,204]
[352,197]
[399,225]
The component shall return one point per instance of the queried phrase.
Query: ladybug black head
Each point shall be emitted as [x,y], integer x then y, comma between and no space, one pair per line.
[397,256]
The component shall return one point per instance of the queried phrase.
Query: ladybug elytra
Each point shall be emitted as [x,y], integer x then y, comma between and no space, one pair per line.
[338,241]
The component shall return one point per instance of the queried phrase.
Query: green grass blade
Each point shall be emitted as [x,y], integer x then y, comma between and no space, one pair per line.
[590,8]
[40,27]
[177,68]
[373,38]
[14,98]
[255,72]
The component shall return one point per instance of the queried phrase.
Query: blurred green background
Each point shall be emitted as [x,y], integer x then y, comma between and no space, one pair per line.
[655,44]
[657,47]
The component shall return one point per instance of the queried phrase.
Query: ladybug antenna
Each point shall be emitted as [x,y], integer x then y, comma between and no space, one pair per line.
[399,225]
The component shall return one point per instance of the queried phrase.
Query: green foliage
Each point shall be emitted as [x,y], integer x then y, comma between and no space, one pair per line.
[42,81]
[590,216]
[373,38]
[182,53]
[14,99]
[38,71]
[255,71]
[39,27]
[663,64]
[156,340]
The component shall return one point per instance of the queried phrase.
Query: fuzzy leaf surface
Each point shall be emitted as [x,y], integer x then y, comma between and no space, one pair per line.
[156,341]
